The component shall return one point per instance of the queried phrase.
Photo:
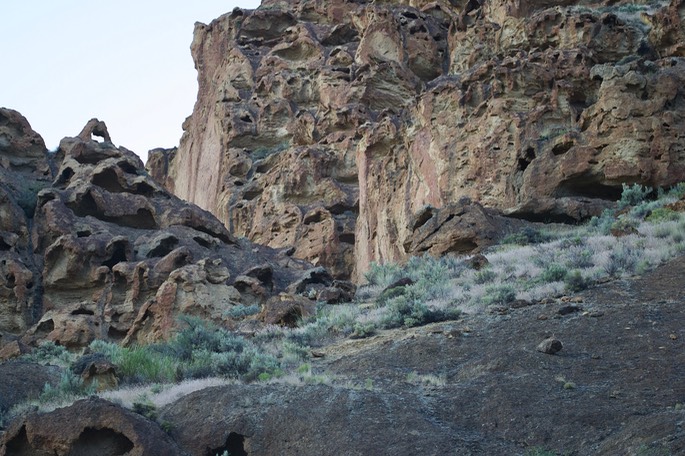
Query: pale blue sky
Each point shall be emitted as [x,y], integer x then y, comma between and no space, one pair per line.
[126,62]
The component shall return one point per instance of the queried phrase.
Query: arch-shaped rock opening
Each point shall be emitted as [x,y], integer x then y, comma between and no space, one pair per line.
[82,311]
[127,167]
[202,242]
[164,247]
[143,188]
[95,127]
[85,206]
[115,334]
[118,253]
[347,238]
[45,327]
[108,180]
[142,219]
[101,441]
[64,177]
[291,318]
[525,160]
[19,445]
[341,34]
[235,446]
[586,189]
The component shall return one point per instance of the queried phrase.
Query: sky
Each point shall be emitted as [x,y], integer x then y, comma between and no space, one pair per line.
[126,62]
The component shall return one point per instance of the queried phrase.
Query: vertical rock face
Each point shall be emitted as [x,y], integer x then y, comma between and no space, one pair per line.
[331,127]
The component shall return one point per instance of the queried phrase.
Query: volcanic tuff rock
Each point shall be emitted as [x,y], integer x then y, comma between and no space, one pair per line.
[92,247]
[330,126]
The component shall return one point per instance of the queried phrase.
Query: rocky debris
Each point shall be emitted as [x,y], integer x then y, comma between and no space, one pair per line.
[338,292]
[287,310]
[327,127]
[550,346]
[478,262]
[22,380]
[403,282]
[318,284]
[566,310]
[110,254]
[89,426]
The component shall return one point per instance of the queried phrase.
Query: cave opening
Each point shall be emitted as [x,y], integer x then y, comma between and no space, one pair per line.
[235,446]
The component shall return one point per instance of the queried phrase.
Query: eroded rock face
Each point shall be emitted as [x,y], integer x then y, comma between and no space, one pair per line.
[25,169]
[329,127]
[104,252]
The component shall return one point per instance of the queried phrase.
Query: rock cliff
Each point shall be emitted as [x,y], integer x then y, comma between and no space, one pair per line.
[91,247]
[339,128]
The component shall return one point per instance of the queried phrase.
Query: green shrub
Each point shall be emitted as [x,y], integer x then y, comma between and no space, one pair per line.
[621,260]
[663,231]
[624,224]
[527,236]
[239,311]
[206,350]
[499,294]
[677,191]
[553,273]
[484,276]
[68,387]
[405,311]
[47,352]
[362,330]
[663,214]
[575,281]
[388,295]
[633,194]
[604,222]
[580,258]
[383,274]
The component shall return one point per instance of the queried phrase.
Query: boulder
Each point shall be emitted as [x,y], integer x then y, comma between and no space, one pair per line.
[89,426]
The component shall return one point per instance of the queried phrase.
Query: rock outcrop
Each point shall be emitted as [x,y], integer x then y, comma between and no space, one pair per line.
[329,126]
[91,247]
